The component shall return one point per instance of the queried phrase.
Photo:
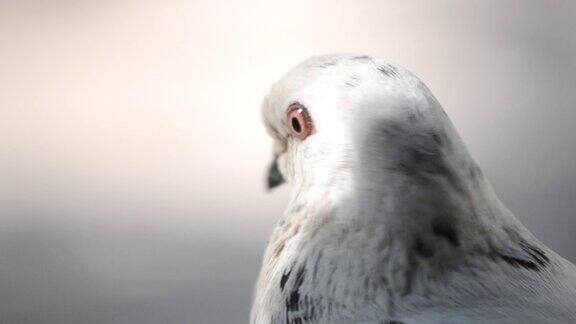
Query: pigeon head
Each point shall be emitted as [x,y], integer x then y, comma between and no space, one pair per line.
[339,118]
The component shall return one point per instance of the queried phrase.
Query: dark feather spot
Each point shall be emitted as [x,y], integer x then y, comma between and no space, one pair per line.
[536,261]
[437,139]
[327,64]
[445,229]
[539,256]
[519,263]
[293,301]
[361,58]
[388,70]
[422,249]
[475,171]
[352,81]
[284,278]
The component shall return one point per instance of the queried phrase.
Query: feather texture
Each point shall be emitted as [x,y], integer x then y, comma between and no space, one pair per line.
[390,219]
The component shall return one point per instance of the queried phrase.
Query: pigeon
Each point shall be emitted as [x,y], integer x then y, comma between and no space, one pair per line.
[390,220]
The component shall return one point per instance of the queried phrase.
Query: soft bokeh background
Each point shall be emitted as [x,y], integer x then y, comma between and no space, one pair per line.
[132,156]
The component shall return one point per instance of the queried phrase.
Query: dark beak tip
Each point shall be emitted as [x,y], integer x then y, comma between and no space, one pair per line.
[275,178]
[273,183]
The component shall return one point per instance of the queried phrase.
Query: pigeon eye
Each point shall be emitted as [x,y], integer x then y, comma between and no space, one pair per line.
[299,121]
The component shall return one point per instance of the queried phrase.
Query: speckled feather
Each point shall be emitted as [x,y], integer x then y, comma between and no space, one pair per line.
[390,220]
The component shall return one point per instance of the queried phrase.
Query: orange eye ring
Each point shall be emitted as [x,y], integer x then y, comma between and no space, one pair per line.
[298,120]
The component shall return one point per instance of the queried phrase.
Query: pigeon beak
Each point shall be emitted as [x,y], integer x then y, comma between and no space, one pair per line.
[275,178]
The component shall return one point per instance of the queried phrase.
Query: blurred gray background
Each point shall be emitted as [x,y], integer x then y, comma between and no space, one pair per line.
[132,156]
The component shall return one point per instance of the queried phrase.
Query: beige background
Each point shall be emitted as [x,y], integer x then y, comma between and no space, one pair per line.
[132,156]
